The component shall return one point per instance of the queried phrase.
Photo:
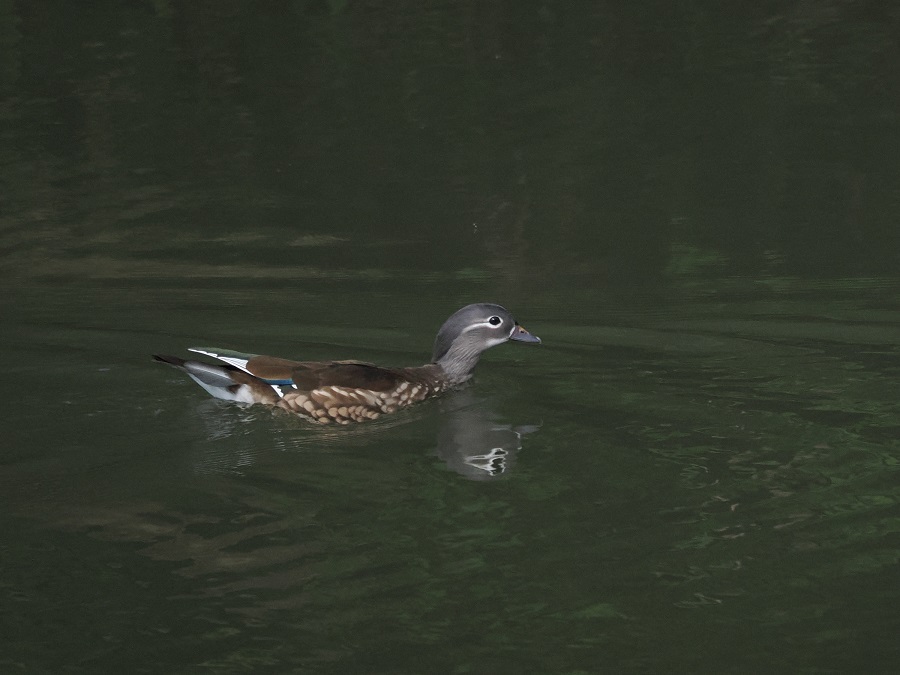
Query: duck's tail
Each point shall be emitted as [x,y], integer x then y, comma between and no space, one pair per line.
[222,381]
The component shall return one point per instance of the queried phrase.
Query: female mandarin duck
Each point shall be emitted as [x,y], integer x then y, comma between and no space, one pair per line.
[353,391]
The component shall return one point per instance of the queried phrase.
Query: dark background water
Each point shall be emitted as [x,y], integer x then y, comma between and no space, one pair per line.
[694,204]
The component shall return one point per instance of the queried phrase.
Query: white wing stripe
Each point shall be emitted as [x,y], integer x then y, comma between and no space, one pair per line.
[232,360]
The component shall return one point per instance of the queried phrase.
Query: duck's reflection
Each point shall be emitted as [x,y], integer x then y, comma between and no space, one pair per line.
[471,438]
[472,441]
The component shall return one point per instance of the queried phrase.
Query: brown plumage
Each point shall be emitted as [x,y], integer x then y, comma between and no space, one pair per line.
[354,391]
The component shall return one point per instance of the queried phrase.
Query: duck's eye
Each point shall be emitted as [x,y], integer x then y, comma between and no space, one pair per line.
[495,321]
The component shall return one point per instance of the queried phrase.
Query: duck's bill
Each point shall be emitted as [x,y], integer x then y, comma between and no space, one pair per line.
[519,334]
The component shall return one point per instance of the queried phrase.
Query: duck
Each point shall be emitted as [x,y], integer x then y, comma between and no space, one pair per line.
[342,392]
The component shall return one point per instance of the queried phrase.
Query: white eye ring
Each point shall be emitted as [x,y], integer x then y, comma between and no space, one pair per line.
[495,321]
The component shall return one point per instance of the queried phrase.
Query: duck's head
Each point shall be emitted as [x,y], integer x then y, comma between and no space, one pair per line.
[469,332]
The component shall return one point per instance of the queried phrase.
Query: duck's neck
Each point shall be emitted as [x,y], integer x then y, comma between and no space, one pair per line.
[459,362]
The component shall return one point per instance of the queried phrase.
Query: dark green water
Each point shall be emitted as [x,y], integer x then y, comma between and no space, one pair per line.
[695,207]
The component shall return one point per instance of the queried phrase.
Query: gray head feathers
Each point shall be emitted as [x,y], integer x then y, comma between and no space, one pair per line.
[469,332]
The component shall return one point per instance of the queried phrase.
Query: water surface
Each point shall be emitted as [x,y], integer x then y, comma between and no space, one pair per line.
[694,208]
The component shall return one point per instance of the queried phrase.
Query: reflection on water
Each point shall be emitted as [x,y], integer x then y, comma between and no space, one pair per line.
[471,440]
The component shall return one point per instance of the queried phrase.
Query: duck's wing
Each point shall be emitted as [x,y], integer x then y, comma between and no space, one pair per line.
[269,368]
[308,375]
